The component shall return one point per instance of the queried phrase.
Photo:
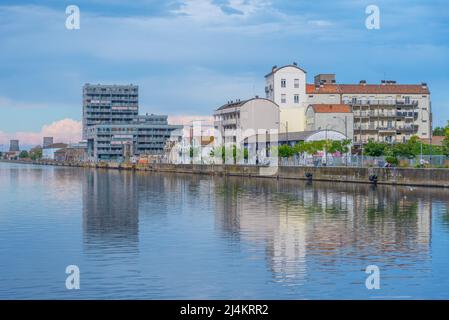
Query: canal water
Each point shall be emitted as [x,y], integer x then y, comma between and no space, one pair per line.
[161,236]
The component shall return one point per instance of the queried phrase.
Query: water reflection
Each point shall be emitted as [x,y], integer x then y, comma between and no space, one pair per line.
[307,225]
[110,209]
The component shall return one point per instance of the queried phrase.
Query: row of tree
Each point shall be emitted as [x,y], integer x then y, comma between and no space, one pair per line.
[313,147]
[409,149]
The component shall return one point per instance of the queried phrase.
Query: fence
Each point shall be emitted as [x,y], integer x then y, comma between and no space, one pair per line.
[361,161]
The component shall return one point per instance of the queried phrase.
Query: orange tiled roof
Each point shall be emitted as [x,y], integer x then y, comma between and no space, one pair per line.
[331,108]
[367,89]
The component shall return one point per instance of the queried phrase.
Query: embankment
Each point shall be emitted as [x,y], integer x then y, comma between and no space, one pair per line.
[430,177]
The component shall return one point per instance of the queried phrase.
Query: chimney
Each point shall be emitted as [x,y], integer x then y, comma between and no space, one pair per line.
[383,82]
[273,68]
[257,97]
[362,82]
[295,64]
[424,85]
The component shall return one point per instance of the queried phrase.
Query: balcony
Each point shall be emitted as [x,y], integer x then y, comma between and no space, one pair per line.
[408,128]
[227,122]
[365,126]
[386,129]
[383,102]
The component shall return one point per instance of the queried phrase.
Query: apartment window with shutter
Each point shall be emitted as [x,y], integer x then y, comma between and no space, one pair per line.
[296,83]
[283,98]
[296,98]
[283,83]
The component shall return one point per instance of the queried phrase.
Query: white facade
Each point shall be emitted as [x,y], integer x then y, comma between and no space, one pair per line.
[286,86]
[236,121]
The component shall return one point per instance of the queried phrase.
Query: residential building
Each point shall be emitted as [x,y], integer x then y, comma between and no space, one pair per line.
[286,86]
[387,112]
[14,146]
[47,141]
[237,120]
[338,117]
[143,135]
[109,104]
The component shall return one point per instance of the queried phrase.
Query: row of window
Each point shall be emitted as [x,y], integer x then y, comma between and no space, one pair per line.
[284,83]
[295,98]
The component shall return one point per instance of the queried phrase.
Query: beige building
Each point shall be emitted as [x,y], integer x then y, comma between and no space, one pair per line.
[338,117]
[387,112]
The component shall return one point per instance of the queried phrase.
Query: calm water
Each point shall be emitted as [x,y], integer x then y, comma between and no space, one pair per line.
[143,235]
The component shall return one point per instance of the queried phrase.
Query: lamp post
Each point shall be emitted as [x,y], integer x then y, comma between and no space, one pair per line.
[325,144]
[345,120]
[430,135]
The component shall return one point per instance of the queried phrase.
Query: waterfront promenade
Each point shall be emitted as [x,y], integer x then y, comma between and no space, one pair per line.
[425,177]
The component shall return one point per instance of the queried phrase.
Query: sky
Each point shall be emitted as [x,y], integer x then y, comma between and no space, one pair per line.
[191,56]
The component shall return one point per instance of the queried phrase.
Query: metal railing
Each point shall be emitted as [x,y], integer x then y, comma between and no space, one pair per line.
[359,161]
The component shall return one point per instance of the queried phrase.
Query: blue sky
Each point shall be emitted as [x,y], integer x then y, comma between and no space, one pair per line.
[190,56]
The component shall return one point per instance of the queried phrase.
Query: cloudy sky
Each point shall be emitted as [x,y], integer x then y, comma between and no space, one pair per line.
[190,56]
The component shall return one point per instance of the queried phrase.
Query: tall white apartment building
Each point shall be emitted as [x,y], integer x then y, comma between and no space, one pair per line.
[286,86]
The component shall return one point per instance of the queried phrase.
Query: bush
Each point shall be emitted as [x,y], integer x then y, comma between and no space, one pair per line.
[392,160]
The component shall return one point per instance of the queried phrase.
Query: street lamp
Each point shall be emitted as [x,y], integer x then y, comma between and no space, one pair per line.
[430,135]
[325,144]
[345,120]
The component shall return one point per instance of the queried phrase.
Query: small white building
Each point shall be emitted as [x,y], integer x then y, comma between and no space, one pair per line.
[337,117]
[48,153]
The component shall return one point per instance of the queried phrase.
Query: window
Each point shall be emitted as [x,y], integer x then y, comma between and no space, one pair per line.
[407,100]
[354,100]
[283,98]
[283,83]
[296,83]
[296,98]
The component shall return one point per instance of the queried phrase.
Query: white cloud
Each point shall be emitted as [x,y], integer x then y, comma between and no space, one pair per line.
[65,130]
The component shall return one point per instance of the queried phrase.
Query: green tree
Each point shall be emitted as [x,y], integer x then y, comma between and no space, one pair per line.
[446,140]
[285,151]
[375,149]
[438,131]
[23,154]
[409,149]
[341,146]
[312,147]
[36,154]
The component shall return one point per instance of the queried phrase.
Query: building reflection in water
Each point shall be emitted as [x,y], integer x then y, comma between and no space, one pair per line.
[110,209]
[331,222]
